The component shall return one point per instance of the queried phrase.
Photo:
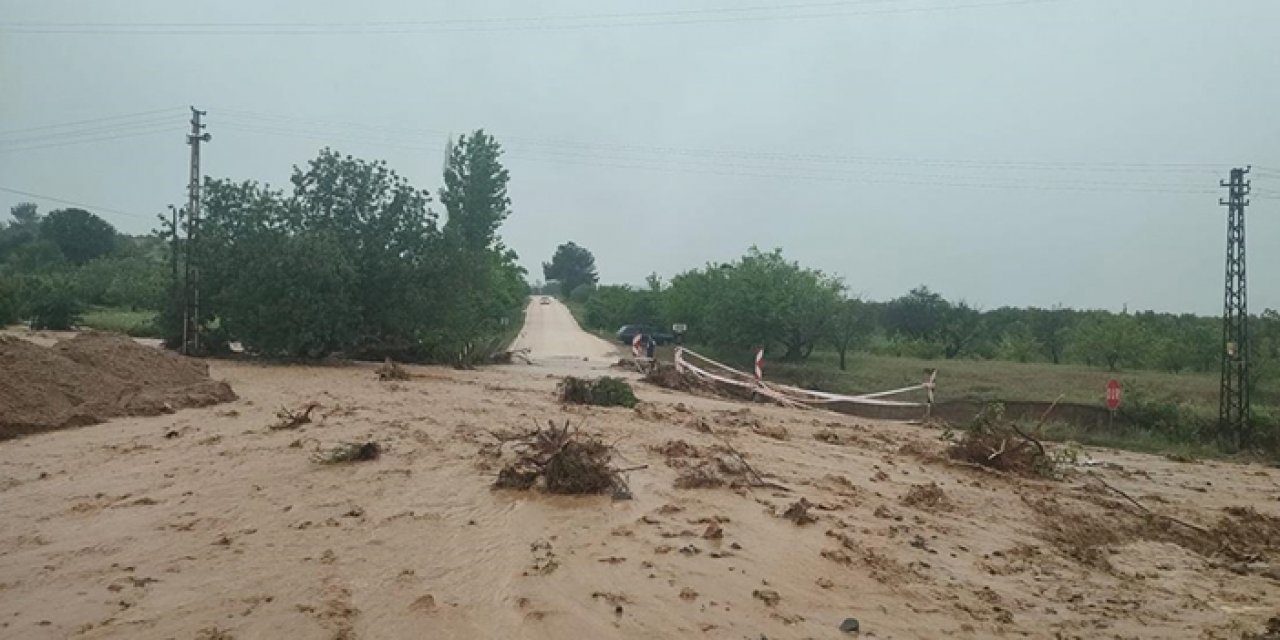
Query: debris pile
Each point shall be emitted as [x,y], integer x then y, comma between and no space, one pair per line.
[289,419]
[602,392]
[566,462]
[390,371]
[996,443]
[94,377]
[668,376]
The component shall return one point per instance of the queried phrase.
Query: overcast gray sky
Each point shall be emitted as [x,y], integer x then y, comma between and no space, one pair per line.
[1020,152]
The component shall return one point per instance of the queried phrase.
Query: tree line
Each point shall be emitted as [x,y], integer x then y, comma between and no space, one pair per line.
[763,299]
[55,266]
[351,259]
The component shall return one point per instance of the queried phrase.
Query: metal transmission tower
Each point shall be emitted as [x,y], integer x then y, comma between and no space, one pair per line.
[191,284]
[1233,402]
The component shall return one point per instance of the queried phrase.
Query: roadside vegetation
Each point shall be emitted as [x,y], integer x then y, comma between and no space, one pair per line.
[351,260]
[818,336]
[58,269]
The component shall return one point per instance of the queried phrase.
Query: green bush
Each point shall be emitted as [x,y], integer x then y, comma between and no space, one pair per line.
[582,292]
[51,303]
[10,303]
[604,392]
[1175,418]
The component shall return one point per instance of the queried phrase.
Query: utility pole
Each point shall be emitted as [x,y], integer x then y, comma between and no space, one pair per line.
[191,287]
[1233,399]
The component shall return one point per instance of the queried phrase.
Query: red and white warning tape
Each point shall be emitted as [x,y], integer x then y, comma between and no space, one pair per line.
[717,372]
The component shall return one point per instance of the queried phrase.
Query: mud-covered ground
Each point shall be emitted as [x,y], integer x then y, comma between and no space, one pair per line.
[208,523]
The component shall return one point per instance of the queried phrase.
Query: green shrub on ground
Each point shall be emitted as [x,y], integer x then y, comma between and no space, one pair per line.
[604,392]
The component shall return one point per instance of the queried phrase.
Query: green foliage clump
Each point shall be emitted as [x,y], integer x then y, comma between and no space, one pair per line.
[612,306]
[761,299]
[78,234]
[572,266]
[603,392]
[354,261]
[51,303]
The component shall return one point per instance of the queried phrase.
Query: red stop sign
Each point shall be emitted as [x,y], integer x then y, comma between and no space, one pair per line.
[1113,394]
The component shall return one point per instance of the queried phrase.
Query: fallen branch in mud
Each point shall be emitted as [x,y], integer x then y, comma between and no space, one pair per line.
[565,461]
[294,419]
[1148,512]
[754,477]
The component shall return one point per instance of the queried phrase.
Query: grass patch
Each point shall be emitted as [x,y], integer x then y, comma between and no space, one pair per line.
[139,324]
[1139,440]
[1173,414]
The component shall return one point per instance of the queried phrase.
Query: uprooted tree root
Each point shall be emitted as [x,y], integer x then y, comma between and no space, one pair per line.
[289,419]
[565,461]
[603,392]
[995,443]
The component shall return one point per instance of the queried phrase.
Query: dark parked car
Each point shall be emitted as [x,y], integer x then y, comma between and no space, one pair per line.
[628,333]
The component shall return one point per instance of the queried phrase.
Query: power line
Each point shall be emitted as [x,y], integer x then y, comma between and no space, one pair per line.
[64,143]
[89,121]
[773,172]
[71,202]
[247,118]
[760,169]
[99,130]
[483,25]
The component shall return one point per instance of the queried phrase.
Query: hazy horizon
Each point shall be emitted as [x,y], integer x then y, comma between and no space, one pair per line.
[1008,153]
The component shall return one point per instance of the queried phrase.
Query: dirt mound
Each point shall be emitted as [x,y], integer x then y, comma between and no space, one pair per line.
[94,377]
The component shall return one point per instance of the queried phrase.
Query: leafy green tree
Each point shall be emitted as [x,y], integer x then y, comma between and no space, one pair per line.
[852,326]
[38,257]
[475,192]
[347,262]
[1019,344]
[919,315]
[1114,340]
[962,324]
[51,302]
[80,235]
[1052,329]
[24,229]
[582,292]
[10,299]
[612,306]
[294,298]
[760,299]
[925,316]
[132,281]
[1266,348]
[572,266]
[25,214]
[483,283]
